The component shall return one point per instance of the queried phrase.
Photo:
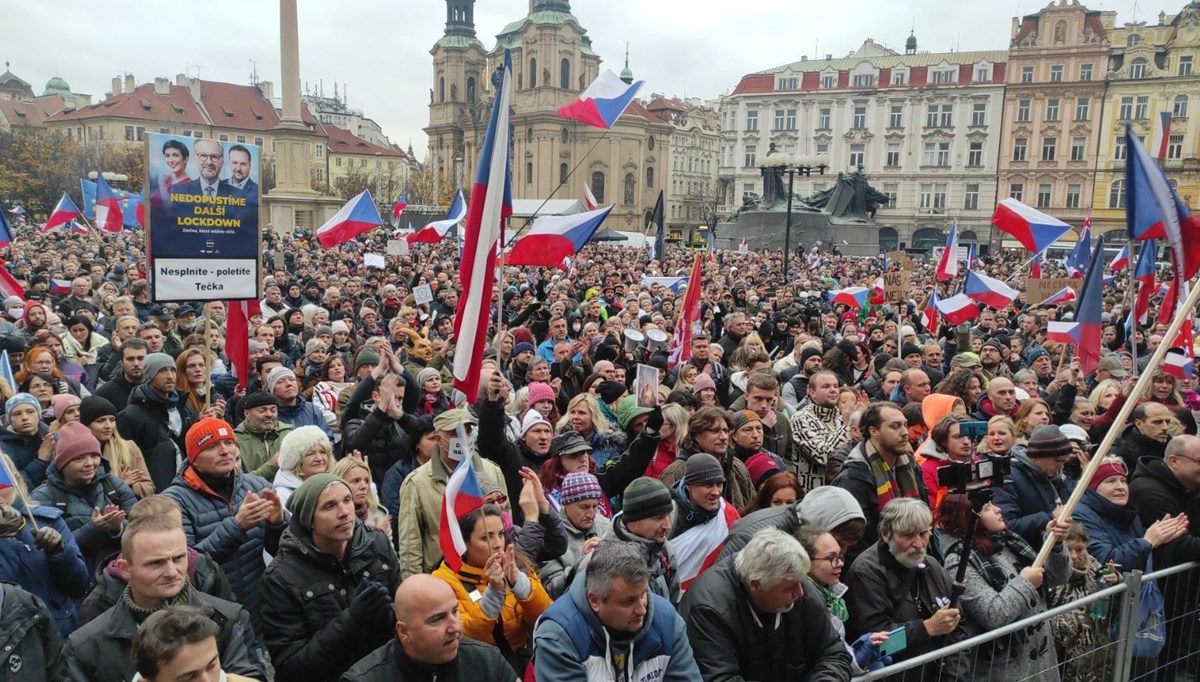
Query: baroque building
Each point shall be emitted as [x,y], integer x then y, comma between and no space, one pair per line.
[553,62]
[691,193]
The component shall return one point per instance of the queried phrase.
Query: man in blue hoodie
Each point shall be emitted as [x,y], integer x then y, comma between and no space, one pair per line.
[609,618]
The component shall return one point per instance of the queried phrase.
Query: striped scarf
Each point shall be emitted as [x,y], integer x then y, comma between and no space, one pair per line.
[889,481]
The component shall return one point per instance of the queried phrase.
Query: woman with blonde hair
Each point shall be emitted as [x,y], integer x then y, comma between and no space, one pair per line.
[1001,436]
[357,474]
[123,457]
[1103,395]
[672,434]
[685,378]
[304,452]
[585,418]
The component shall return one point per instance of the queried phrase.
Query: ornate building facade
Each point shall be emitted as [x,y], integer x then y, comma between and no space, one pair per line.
[691,195]
[553,63]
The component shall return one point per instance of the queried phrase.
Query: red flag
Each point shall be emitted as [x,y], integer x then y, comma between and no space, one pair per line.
[680,350]
[237,337]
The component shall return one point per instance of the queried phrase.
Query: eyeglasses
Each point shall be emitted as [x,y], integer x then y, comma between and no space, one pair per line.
[834,559]
[497,500]
[209,157]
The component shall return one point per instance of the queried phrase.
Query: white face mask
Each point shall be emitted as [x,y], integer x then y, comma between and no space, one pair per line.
[462,444]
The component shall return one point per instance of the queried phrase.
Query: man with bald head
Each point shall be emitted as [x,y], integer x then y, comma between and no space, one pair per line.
[429,642]
[1147,436]
[1001,399]
[914,386]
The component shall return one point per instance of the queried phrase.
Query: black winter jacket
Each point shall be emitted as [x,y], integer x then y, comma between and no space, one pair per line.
[785,518]
[381,439]
[476,661]
[1028,497]
[1134,445]
[144,421]
[30,646]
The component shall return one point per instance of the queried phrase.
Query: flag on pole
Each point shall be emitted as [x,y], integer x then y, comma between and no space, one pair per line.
[1084,330]
[237,337]
[64,212]
[108,210]
[9,286]
[17,210]
[988,290]
[462,497]
[1180,358]
[79,228]
[437,230]
[1121,260]
[357,217]
[1035,230]
[948,264]
[1152,209]
[491,205]
[929,316]
[554,238]
[6,235]
[656,219]
[1063,295]
[1162,135]
[589,199]
[1077,261]
[603,102]
[958,308]
[6,371]
[7,478]
[680,348]
[131,205]
[400,205]
[855,297]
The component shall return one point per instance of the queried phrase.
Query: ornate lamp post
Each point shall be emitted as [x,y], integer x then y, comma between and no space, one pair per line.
[774,167]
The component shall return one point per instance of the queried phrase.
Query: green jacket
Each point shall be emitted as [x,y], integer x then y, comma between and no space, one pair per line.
[258,448]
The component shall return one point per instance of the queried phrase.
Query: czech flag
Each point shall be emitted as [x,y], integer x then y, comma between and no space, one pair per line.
[1152,209]
[1063,295]
[1121,260]
[553,238]
[957,309]
[1034,229]
[855,297]
[603,102]
[17,210]
[6,236]
[1162,135]
[60,286]
[688,324]
[1077,260]
[1180,357]
[988,290]
[462,497]
[948,265]
[1084,330]
[491,205]
[1143,274]
[9,286]
[6,371]
[64,212]
[589,199]
[401,204]
[929,316]
[108,209]
[1035,266]
[437,230]
[7,480]
[358,216]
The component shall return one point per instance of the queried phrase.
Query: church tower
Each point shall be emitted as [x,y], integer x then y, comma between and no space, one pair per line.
[456,100]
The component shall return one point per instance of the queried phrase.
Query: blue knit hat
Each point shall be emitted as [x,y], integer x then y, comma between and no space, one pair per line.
[21,399]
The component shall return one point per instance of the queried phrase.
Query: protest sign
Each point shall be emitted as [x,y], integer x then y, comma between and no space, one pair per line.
[397,247]
[374,260]
[1038,290]
[423,294]
[896,286]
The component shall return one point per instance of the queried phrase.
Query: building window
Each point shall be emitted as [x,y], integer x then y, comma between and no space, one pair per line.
[979,114]
[598,186]
[1043,195]
[441,90]
[751,156]
[789,120]
[1179,108]
[891,191]
[1137,68]
[1175,147]
[1081,108]
[943,76]
[1073,193]
[338,162]
[939,197]
[320,150]
[1120,152]
[779,119]
[857,155]
[1017,191]
[649,177]
[896,116]
[860,117]
[1085,72]
[823,118]
[939,116]
[1052,109]
[241,139]
[1133,40]
[320,174]
[937,154]
[1049,148]
[1185,65]
[983,74]
[1116,194]
[751,121]
[564,74]
[828,81]
[258,141]
[129,133]
[1019,146]
[564,135]
[864,80]
[822,148]
[925,196]
[533,72]
[893,154]
[1056,73]
[899,78]
[1026,74]
[223,137]
[975,154]
[1078,148]
[971,197]
[528,172]
[1125,110]
[1023,110]
[788,84]
[1141,110]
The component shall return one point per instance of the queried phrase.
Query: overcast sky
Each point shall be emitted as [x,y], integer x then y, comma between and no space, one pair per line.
[380,48]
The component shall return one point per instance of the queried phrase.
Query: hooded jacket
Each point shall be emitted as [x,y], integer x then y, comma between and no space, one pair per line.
[306,594]
[556,574]
[110,581]
[60,580]
[572,645]
[30,646]
[145,422]
[77,505]
[23,450]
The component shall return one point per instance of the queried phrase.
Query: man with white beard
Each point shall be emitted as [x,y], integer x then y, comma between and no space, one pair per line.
[895,584]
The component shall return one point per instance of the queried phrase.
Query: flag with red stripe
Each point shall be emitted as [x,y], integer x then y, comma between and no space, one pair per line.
[680,348]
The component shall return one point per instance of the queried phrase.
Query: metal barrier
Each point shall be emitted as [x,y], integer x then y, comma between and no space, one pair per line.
[1110,658]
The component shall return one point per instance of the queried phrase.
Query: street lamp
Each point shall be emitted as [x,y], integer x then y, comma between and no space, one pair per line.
[803,164]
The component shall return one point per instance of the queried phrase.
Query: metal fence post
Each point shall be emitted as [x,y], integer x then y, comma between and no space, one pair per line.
[1126,628]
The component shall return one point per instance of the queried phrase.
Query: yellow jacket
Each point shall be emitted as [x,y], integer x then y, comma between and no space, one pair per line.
[519,615]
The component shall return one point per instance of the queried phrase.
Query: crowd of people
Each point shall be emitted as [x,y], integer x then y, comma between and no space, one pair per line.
[771,509]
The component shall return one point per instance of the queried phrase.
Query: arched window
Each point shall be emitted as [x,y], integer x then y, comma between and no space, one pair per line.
[1133,40]
[532,72]
[565,136]
[598,186]
[454,92]
[564,74]
[649,177]
[1137,68]
[1116,194]
[1180,108]
[441,90]
[562,173]
[528,172]
[630,186]
[470,90]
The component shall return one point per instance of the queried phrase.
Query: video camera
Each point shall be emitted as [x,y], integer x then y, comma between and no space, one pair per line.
[984,471]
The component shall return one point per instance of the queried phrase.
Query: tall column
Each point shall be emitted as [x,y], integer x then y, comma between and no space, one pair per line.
[289,55]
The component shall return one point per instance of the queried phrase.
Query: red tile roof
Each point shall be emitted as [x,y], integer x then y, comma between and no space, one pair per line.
[142,104]
[31,114]
[237,106]
[342,141]
[755,83]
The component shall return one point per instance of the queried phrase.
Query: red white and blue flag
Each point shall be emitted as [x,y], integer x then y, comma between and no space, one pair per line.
[1035,230]
[1152,209]
[108,209]
[64,212]
[988,290]
[462,497]
[553,238]
[60,286]
[603,102]
[1121,260]
[855,297]
[437,230]
[7,478]
[1063,295]
[1143,274]
[589,199]
[17,210]
[400,205]
[1077,261]
[6,371]
[6,235]
[958,308]
[491,206]
[948,264]
[1084,331]
[1161,137]
[680,348]
[929,316]
[9,286]
[358,216]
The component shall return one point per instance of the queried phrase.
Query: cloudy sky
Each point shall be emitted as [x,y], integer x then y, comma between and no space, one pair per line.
[380,48]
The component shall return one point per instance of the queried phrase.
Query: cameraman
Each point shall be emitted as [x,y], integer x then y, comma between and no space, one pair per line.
[1037,486]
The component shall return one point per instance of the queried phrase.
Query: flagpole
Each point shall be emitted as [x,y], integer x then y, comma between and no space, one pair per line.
[17,486]
[207,362]
[529,220]
[500,281]
[1118,424]
[1130,269]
